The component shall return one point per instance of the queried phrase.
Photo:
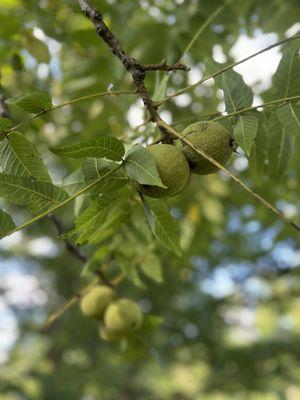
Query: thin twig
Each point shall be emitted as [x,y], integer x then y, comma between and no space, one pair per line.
[69,245]
[221,71]
[231,175]
[136,69]
[263,105]
[67,103]
[63,203]
[73,300]
[201,29]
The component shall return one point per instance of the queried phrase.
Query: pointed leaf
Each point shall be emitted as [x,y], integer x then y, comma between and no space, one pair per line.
[289,116]
[35,103]
[5,123]
[245,131]
[165,227]
[160,88]
[287,76]
[36,196]
[94,168]
[152,268]
[237,94]
[6,223]
[99,220]
[73,182]
[279,150]
[105,146]
[19,157]
[140,166]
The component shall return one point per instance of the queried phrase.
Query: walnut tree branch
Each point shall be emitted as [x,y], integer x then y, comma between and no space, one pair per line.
[136,69]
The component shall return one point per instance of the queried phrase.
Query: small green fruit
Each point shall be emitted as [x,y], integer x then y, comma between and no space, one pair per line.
[96,300]
[122,317]
[173,170]
[213,139]
[108,335]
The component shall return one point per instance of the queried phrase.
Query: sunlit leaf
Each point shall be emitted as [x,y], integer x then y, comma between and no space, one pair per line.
[105,146]
[140,166]
[165,227]
[151,267]
[237,94]
[35,103]
[36,196]
[245,131]
[287,76]
[19,157]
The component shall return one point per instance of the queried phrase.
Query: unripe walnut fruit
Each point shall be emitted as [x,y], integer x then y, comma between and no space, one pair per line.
[122,317]
[173,170]
[96,300]
[213,139]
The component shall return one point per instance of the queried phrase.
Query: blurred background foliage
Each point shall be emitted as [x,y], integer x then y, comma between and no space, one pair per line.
[230,306]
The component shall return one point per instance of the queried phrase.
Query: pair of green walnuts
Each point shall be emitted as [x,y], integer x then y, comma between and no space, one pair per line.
[174,163]
[119,317]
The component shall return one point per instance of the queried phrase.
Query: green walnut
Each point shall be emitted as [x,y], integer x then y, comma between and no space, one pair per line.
[173,170]
[109,336]
[213,139]
[122,317]
[96,300]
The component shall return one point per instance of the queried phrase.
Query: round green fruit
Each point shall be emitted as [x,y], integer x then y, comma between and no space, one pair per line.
[109,336]
[122,317]
[96,300]
[173,170]
[213,139]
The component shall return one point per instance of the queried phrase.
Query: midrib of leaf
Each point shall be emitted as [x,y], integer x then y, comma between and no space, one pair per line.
[40,194]
[280,152]
[167,236]
[243,130]
[144,170]
[63,203]
[294,114]
[229,94]
[290,72]
[18,158]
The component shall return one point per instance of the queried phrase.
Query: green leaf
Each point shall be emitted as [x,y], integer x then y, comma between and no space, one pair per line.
[36,196]
[35,103]
[245,131]
[151,267]
[95,262]
[279,150]
[140,166]
[287,76]
[19,157]
[94,168]
[237,94]
[165,227]
[130,270]
[99,220]
[105,146]
[289,117]
[73,182]
[5,123]
[6,223]
[259,152]
[160,88]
